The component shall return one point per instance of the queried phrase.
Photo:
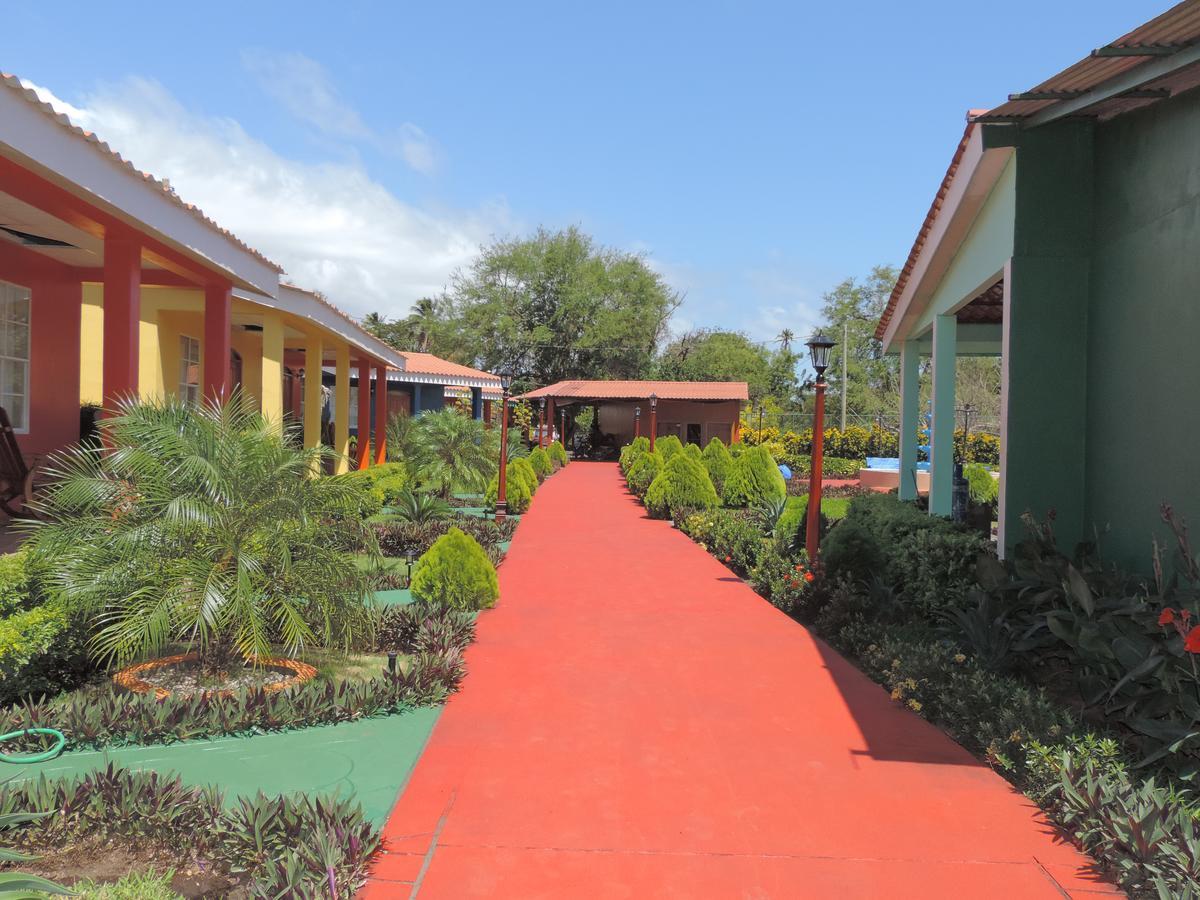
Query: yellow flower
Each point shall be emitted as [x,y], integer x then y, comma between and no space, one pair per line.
[1015,737]
[960,658]
[914,705]
[910,684]
[897,693]
[895,663]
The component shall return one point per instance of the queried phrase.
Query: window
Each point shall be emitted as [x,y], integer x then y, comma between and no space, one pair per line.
[189,369]
[14,354]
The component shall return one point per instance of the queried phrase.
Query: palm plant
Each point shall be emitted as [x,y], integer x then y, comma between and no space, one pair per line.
[768,512]
[206,526]
[400,435]
[452,451]
[419,508]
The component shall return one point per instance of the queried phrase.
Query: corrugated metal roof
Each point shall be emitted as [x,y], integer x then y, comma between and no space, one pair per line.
[641,390]
[1162,37]
[14,83]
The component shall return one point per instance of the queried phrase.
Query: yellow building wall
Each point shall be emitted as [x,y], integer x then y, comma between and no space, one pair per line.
[91,345]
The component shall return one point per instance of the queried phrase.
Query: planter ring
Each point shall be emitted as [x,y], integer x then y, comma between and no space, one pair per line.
[130,677]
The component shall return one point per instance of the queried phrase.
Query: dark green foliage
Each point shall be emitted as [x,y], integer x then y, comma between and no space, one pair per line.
[667,446]
[643,471]
[694,452]
[732,537]
[399,538]
[290,845]
[931,560]
[792,529]
[558,454]
[419,508]
[455,573]
[381,485]
[682,484]
[42,651]
[753,478]
[420,628]
[540,461]
[718,461]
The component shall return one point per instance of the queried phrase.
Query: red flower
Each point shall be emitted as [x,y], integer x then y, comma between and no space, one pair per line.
[799,567]
[728,559]
[808,576]
[1166,617]
[1191,643]
[1186,615]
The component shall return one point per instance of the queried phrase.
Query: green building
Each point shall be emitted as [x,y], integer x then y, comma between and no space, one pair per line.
[1065,239]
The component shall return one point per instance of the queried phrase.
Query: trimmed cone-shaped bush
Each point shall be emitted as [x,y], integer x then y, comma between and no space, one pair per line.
[644,471]
[516,490]
[754,478]
[718,462]
[667,447]
[558,454]
[456,573]
[682,484]
[540,460]
[525,468]
[693,450]
[631,451]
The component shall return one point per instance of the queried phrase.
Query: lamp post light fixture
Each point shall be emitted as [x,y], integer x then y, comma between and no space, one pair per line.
[637,421]
[653,419]
[502,475]
[818,348]
[542,422]
[562,431]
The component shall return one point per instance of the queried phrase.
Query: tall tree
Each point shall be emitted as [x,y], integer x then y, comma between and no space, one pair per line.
[704,355]
[559,306]
[850,313]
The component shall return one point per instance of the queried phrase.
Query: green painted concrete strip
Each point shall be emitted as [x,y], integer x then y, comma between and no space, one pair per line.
[394,598]
[370,759]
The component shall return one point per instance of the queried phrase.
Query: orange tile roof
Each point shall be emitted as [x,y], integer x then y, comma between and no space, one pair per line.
[641,390]
[14,83]
[428,364]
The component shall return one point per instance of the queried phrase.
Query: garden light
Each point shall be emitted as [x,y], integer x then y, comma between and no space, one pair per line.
[819,347]
[392,661]
[653,419]
[502,476]
[637,421]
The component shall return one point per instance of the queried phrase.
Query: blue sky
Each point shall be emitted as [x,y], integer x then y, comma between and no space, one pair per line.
[757,152]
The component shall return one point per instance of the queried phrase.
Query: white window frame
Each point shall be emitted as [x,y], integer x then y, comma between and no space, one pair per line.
[186,343]
[15,291]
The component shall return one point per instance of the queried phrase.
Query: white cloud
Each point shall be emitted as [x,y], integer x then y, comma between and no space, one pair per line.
[330,225]
[304,88]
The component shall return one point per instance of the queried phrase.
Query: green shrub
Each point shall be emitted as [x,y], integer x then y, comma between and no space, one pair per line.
[525,471]
[16,592]
[683,483]
[516,490]
[733,539]
[558,454]
[792,529]
[754,478]
[983,487]
[694,451]
[631,451]
[455,573]
[931,560]
[539,460]
[643,471]
[42,652]
[667,446]
[382,486]
[718,461]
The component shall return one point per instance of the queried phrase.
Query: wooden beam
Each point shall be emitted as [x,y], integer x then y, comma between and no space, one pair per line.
[1143,50]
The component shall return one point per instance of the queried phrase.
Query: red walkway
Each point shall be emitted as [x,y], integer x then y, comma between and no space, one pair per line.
[637,723]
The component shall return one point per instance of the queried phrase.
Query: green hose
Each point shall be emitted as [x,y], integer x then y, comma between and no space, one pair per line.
[59,743]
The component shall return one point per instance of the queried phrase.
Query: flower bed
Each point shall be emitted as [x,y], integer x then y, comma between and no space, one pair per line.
[145,678]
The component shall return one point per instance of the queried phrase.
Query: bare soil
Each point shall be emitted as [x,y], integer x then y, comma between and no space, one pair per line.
[106,863]
[189,678]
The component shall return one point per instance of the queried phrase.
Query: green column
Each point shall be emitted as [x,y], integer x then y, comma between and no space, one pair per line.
[941,443]
[910,394]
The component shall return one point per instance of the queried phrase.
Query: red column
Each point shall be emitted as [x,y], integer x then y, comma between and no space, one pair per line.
[122,310]
[487,413]
[549,420]
[812,536]
[218,323]
[381,414]
[364,412]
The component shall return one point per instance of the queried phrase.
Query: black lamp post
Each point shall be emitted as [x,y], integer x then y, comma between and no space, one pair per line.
[818,348]
[542,422]
[502,475]
[653,419]
[637,421]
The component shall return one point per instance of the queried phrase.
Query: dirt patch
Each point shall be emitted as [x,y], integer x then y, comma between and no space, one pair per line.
[105,863]
[189,678]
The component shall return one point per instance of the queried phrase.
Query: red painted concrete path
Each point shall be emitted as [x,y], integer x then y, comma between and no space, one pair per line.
[637,723]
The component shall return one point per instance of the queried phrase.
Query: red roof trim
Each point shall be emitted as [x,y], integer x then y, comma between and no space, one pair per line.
[641,390]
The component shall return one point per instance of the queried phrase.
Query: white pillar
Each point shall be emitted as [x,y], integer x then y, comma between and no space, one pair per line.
[910,395]
[941,444]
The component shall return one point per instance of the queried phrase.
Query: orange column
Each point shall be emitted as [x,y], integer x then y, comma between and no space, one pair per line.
[122,310]
[364,412]
[487,413]
[381,414]
[218,322]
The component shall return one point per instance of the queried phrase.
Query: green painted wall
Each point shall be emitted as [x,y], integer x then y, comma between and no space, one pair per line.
[983,253]
[1143,325]
[1046,439]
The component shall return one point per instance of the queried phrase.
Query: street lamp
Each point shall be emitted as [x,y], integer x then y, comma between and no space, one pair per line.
[542,422]
[637,421]
[818,348]
[653,419]
[502,476]
[760,418]
[562,432]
